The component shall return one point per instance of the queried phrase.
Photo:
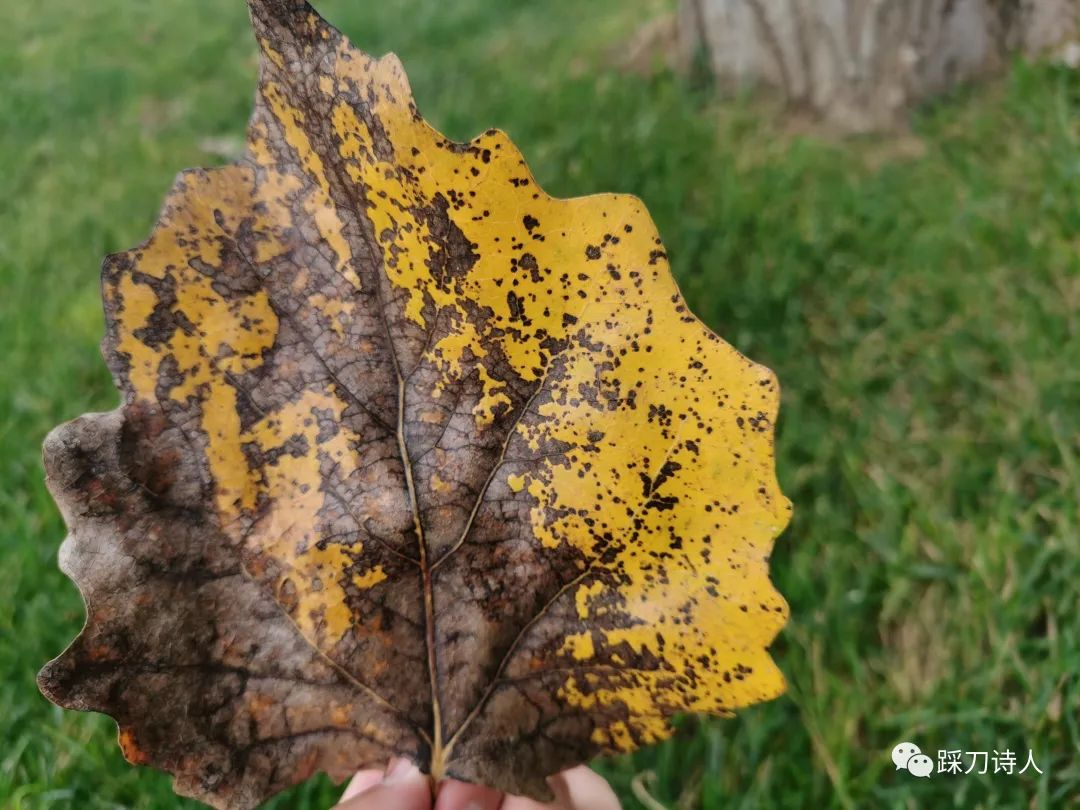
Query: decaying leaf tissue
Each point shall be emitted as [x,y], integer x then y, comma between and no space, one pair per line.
[412,460]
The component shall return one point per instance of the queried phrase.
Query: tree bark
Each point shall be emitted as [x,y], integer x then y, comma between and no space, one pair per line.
[861,64]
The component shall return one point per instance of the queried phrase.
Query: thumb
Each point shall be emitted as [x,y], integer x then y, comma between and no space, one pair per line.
[403,788]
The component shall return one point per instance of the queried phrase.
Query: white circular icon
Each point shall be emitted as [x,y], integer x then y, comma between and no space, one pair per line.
[920,765]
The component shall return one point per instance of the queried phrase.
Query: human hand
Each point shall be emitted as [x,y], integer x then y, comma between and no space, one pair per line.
[403,787]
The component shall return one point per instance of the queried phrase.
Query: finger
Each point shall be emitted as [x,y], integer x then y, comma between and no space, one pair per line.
[454,795]
[582,788]
[576,789]
[402,788]
[361,782]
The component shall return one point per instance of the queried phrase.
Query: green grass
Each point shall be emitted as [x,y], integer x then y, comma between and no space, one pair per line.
[920,307]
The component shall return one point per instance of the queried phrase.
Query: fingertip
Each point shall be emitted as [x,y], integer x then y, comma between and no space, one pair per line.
[402,787]
[455,795]
[361,782]
[584,788]
[402,771]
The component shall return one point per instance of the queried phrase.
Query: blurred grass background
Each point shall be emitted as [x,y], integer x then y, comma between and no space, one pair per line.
[918,296]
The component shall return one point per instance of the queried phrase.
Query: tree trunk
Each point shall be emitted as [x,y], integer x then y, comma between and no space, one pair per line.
[861,64]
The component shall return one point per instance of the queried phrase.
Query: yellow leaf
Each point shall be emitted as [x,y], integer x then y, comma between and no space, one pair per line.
[479,480]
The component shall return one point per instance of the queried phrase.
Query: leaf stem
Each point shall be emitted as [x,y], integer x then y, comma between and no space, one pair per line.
[437,751]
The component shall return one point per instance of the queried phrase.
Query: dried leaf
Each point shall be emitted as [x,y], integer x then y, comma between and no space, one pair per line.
[413,460]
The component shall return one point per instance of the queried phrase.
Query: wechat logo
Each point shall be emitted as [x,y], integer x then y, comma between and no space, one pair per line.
[908,757]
